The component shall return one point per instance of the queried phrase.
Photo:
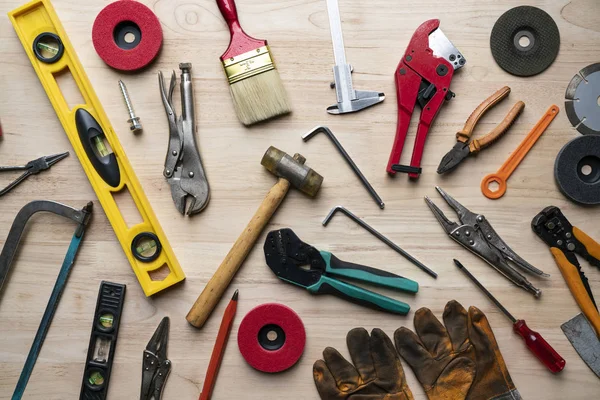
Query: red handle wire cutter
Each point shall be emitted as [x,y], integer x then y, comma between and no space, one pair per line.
[423,76]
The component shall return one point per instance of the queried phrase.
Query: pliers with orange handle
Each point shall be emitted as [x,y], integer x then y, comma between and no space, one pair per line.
[565,241]
[465,146]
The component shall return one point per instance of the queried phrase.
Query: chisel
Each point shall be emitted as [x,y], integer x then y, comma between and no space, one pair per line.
[533,340]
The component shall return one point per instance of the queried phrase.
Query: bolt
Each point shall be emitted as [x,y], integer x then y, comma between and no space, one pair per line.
[136,126]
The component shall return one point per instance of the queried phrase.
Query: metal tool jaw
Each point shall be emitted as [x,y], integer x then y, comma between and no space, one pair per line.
[423,76]
[476,234]
[454,157]
[156,366]
[31,168]
[556,231]
[286,254]
[183,165]
[348,99]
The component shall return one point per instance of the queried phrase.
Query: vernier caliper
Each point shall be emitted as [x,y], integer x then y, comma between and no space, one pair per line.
[348,99]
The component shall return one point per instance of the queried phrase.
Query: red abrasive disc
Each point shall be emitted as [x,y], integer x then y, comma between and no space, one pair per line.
[127,35]
[271,337]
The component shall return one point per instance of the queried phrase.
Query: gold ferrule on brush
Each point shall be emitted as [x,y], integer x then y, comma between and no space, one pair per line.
[248,64]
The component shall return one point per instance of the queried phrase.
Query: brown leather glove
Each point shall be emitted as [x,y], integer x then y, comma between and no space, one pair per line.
[376,374]
[459,361]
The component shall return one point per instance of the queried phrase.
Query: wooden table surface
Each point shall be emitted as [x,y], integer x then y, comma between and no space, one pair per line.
[376,34]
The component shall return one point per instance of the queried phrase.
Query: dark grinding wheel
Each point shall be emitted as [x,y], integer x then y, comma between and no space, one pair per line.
[525,41]
[577,169]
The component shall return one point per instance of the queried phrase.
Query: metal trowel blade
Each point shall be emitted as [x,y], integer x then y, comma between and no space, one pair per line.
[582,336]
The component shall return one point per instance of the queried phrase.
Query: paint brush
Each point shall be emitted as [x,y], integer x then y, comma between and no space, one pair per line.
[256,88]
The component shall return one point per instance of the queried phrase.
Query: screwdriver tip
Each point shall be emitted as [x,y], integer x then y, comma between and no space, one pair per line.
[235,295]
[458,264]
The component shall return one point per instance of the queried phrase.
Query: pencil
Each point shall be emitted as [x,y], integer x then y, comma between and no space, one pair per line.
[219,349]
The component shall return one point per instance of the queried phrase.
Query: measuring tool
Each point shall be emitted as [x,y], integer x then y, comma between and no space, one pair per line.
[93,137]
[82,217]
[348,99]
[533,340]
[103,341]
[516,157]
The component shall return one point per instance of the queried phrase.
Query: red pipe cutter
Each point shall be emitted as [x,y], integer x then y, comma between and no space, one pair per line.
[423,76]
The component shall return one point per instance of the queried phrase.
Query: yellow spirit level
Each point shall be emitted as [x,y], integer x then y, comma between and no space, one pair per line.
[92,136]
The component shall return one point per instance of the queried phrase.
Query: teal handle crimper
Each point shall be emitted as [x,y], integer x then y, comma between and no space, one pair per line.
[317,271]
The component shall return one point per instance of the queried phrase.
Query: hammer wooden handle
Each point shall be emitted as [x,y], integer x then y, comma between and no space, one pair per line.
[217,285]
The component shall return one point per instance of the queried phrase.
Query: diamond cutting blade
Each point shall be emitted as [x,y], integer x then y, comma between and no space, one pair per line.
[582,100]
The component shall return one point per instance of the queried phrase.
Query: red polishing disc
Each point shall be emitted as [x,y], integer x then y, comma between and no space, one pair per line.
[271,337]
[127,35]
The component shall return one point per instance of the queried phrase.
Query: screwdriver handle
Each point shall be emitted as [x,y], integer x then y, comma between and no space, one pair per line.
[539,347]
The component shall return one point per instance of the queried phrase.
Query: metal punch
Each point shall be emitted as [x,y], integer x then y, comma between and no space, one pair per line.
[31,168]
[156,367]
[475,233]
[307,136]
[183,165]
[379,236]
[348,99]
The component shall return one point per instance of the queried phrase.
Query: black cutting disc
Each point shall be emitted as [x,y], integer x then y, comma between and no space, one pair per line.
[577,169]
[525,41]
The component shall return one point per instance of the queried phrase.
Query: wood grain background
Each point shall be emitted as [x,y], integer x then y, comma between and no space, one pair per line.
[376,34]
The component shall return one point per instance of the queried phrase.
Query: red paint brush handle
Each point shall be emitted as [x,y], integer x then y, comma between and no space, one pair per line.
[240,41]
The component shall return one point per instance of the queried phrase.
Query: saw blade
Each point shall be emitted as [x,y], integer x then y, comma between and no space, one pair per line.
[582,100]
[582,336]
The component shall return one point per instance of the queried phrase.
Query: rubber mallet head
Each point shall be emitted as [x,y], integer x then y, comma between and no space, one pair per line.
[293,170]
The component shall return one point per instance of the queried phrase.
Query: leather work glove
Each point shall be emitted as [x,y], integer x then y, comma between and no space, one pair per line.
[376,374]
[459,361]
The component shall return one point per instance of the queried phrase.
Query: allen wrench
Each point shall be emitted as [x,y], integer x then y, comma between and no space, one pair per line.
[379,236]
[321,128]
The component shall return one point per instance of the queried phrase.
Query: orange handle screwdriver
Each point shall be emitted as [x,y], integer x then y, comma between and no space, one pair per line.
[219,349]
[533,340]
[516,157]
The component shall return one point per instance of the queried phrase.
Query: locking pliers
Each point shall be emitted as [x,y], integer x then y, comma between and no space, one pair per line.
[183,165]
[476,234]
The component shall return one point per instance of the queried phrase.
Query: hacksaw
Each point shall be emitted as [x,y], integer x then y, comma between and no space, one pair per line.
[92,137]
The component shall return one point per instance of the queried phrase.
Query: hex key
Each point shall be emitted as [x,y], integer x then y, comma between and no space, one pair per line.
[344,154]
[379,236]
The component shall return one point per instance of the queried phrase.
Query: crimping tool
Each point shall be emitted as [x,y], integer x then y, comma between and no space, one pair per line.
[286,255]
[423,76]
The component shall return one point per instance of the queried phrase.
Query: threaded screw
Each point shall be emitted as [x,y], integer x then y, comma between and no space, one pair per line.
[136,125]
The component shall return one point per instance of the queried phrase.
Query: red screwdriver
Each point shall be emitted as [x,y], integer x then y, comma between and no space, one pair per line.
[533,340]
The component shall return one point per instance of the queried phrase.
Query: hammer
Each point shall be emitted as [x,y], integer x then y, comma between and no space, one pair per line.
[291,171]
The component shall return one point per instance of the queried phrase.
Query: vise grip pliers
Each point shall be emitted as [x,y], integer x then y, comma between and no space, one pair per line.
[475,233]
[155,365]
[423,76]
[183,165]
